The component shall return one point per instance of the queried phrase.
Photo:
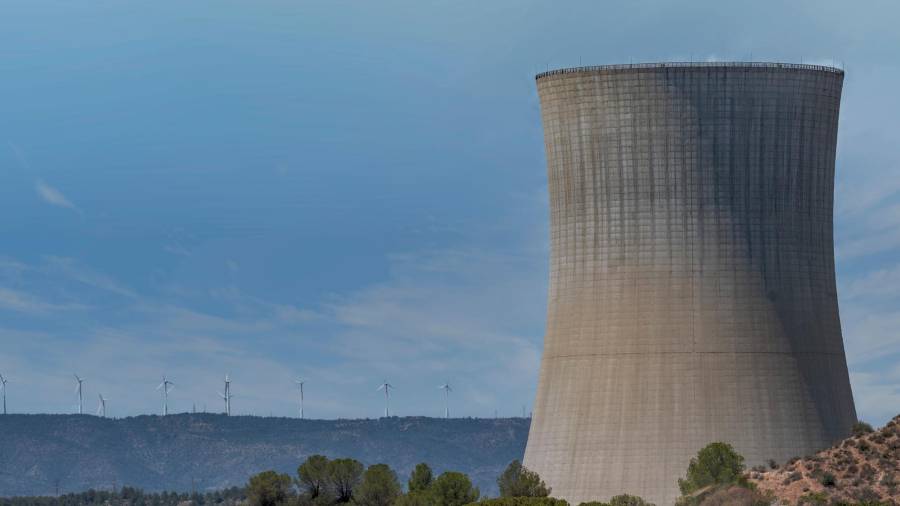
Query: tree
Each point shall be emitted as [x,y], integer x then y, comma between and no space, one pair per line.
[420,479]
[628,500]
[268,489]
[379,487]
[313,475]
[715,464]
[343,476]
[417,498]
[453,489]
[518,481]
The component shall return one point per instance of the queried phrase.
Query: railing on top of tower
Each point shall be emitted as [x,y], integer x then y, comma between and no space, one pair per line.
[704,64]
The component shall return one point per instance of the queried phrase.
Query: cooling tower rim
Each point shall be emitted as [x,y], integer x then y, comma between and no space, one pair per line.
[625,67]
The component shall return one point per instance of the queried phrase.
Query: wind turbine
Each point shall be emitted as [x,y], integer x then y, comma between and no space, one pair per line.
[3,389]
[80,392]
[446,388]
[387,397]
[227,396]
[300,382]
[165,388]
[101,409]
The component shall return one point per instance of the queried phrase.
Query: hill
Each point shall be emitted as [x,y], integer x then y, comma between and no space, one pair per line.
[862,468]
[207,451]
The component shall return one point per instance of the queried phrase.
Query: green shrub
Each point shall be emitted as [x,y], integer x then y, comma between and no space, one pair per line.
[452,489]
[415,498]
[715,464]
[861,428]
[525,501]
[791,478]
[628,500]
[814,499]
[827,479]
[519,481]
[734,495]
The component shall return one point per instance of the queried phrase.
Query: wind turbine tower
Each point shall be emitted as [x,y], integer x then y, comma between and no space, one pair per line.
[165,390]
[227,396]
[446,388]
[79,389]
[3,381]
[101,409]
[387,397]
[300,382]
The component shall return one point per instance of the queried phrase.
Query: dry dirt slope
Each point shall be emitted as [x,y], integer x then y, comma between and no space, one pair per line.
[862,468]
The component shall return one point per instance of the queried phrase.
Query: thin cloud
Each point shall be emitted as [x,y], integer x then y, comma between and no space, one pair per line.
[69,268]
[53,196]
[22,302]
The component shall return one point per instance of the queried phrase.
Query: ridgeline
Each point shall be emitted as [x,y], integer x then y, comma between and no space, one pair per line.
[201,452]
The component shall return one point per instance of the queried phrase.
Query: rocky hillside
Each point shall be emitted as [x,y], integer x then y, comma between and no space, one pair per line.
[862,468]
[208,452]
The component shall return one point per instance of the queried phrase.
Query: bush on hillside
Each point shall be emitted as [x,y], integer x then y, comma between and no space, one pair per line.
[861,428]
[518,481]
[522,501]
[732,495]
[715,465]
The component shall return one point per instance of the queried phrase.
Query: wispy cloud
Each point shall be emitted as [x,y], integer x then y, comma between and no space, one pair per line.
[880,283]
[53,196]
[15,300]
[72,269]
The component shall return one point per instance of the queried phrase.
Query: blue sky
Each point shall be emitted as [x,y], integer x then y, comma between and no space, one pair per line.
[352,191]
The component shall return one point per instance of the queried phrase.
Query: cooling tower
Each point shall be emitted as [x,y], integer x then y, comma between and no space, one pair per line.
[692,291]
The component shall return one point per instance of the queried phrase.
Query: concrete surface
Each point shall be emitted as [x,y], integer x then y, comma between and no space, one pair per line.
[692,292]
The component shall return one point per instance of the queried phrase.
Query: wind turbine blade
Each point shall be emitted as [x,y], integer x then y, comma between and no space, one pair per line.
[160,386]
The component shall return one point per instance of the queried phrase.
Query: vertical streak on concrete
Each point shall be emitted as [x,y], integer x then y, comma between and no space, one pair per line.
[692,291]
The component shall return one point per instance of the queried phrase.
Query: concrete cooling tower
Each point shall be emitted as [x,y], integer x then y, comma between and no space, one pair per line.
[692,291]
